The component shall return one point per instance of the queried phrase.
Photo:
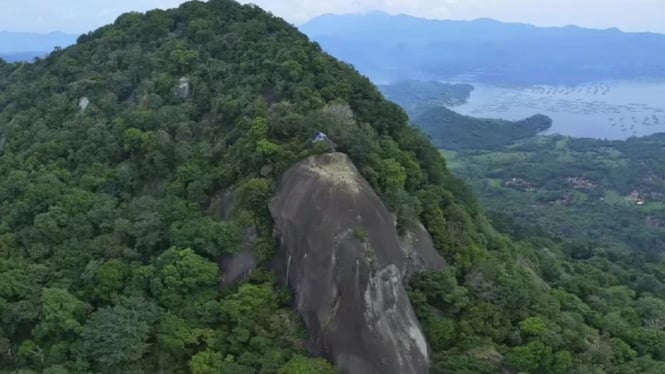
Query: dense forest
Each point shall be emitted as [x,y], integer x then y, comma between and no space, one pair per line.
[605,191]
[116,154]
[587,214]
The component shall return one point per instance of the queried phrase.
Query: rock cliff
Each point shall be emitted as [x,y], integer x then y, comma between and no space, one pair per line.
[342,256]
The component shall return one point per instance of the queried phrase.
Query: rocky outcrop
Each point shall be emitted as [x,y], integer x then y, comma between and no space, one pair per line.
[342,257]
[418,248]
[84,102]
[237,268]
[184,88]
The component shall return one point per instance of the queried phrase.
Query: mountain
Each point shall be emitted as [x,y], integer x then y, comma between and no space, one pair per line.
[453,131]
[25,46]
[390,48]
[137,231]
[204,190]
[427,104]
[412,94]
[24,56]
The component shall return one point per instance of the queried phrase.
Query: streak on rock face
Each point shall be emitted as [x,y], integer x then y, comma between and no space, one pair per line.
[349,287]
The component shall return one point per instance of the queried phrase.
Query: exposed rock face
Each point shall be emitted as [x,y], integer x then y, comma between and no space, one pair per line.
[266,170]
[237,267]
[84,102]
[341,255]
[418,247]
[184,88]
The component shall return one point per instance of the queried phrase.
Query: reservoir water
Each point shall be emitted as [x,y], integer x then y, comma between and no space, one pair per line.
[602,110]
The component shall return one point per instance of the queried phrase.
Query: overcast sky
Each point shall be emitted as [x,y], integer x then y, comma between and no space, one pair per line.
[83,15]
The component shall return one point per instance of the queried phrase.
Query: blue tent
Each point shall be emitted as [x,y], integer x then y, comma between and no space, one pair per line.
[320,137]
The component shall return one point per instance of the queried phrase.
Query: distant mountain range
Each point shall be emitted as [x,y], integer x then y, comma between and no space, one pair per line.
[25,46]
[389,48]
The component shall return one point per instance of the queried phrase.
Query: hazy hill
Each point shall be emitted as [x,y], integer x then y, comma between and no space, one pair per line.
[453,131]
[427,104]
[389,48]
[24,46]
[413,94]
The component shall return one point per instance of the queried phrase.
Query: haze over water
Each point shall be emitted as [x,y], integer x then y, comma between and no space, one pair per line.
[603,110]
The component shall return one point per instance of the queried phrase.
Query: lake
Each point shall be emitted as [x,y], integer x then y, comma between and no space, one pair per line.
[601,110]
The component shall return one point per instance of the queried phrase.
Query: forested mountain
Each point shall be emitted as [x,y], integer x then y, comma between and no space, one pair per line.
[413,95]
[428,106]
[25,46]
[450,130]
[390,48]
[137,162]
[117,154]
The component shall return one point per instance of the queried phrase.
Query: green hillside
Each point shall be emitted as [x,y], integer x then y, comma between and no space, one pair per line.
[117,154]
[450,130]
[607,191]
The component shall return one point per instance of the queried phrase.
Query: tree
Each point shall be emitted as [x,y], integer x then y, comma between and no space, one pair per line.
[441,334]
[210,362]
[306,365]
[119,335]
[180,275]
[62,314]
[254,194]
[109,278]
[183,59]
[529,358]
[208,236]
[206,362]
[176,335]
[394,175]
[652,312]
[562,362]
[532,326]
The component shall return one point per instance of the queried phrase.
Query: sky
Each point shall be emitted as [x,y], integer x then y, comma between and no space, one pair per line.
[78,16]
